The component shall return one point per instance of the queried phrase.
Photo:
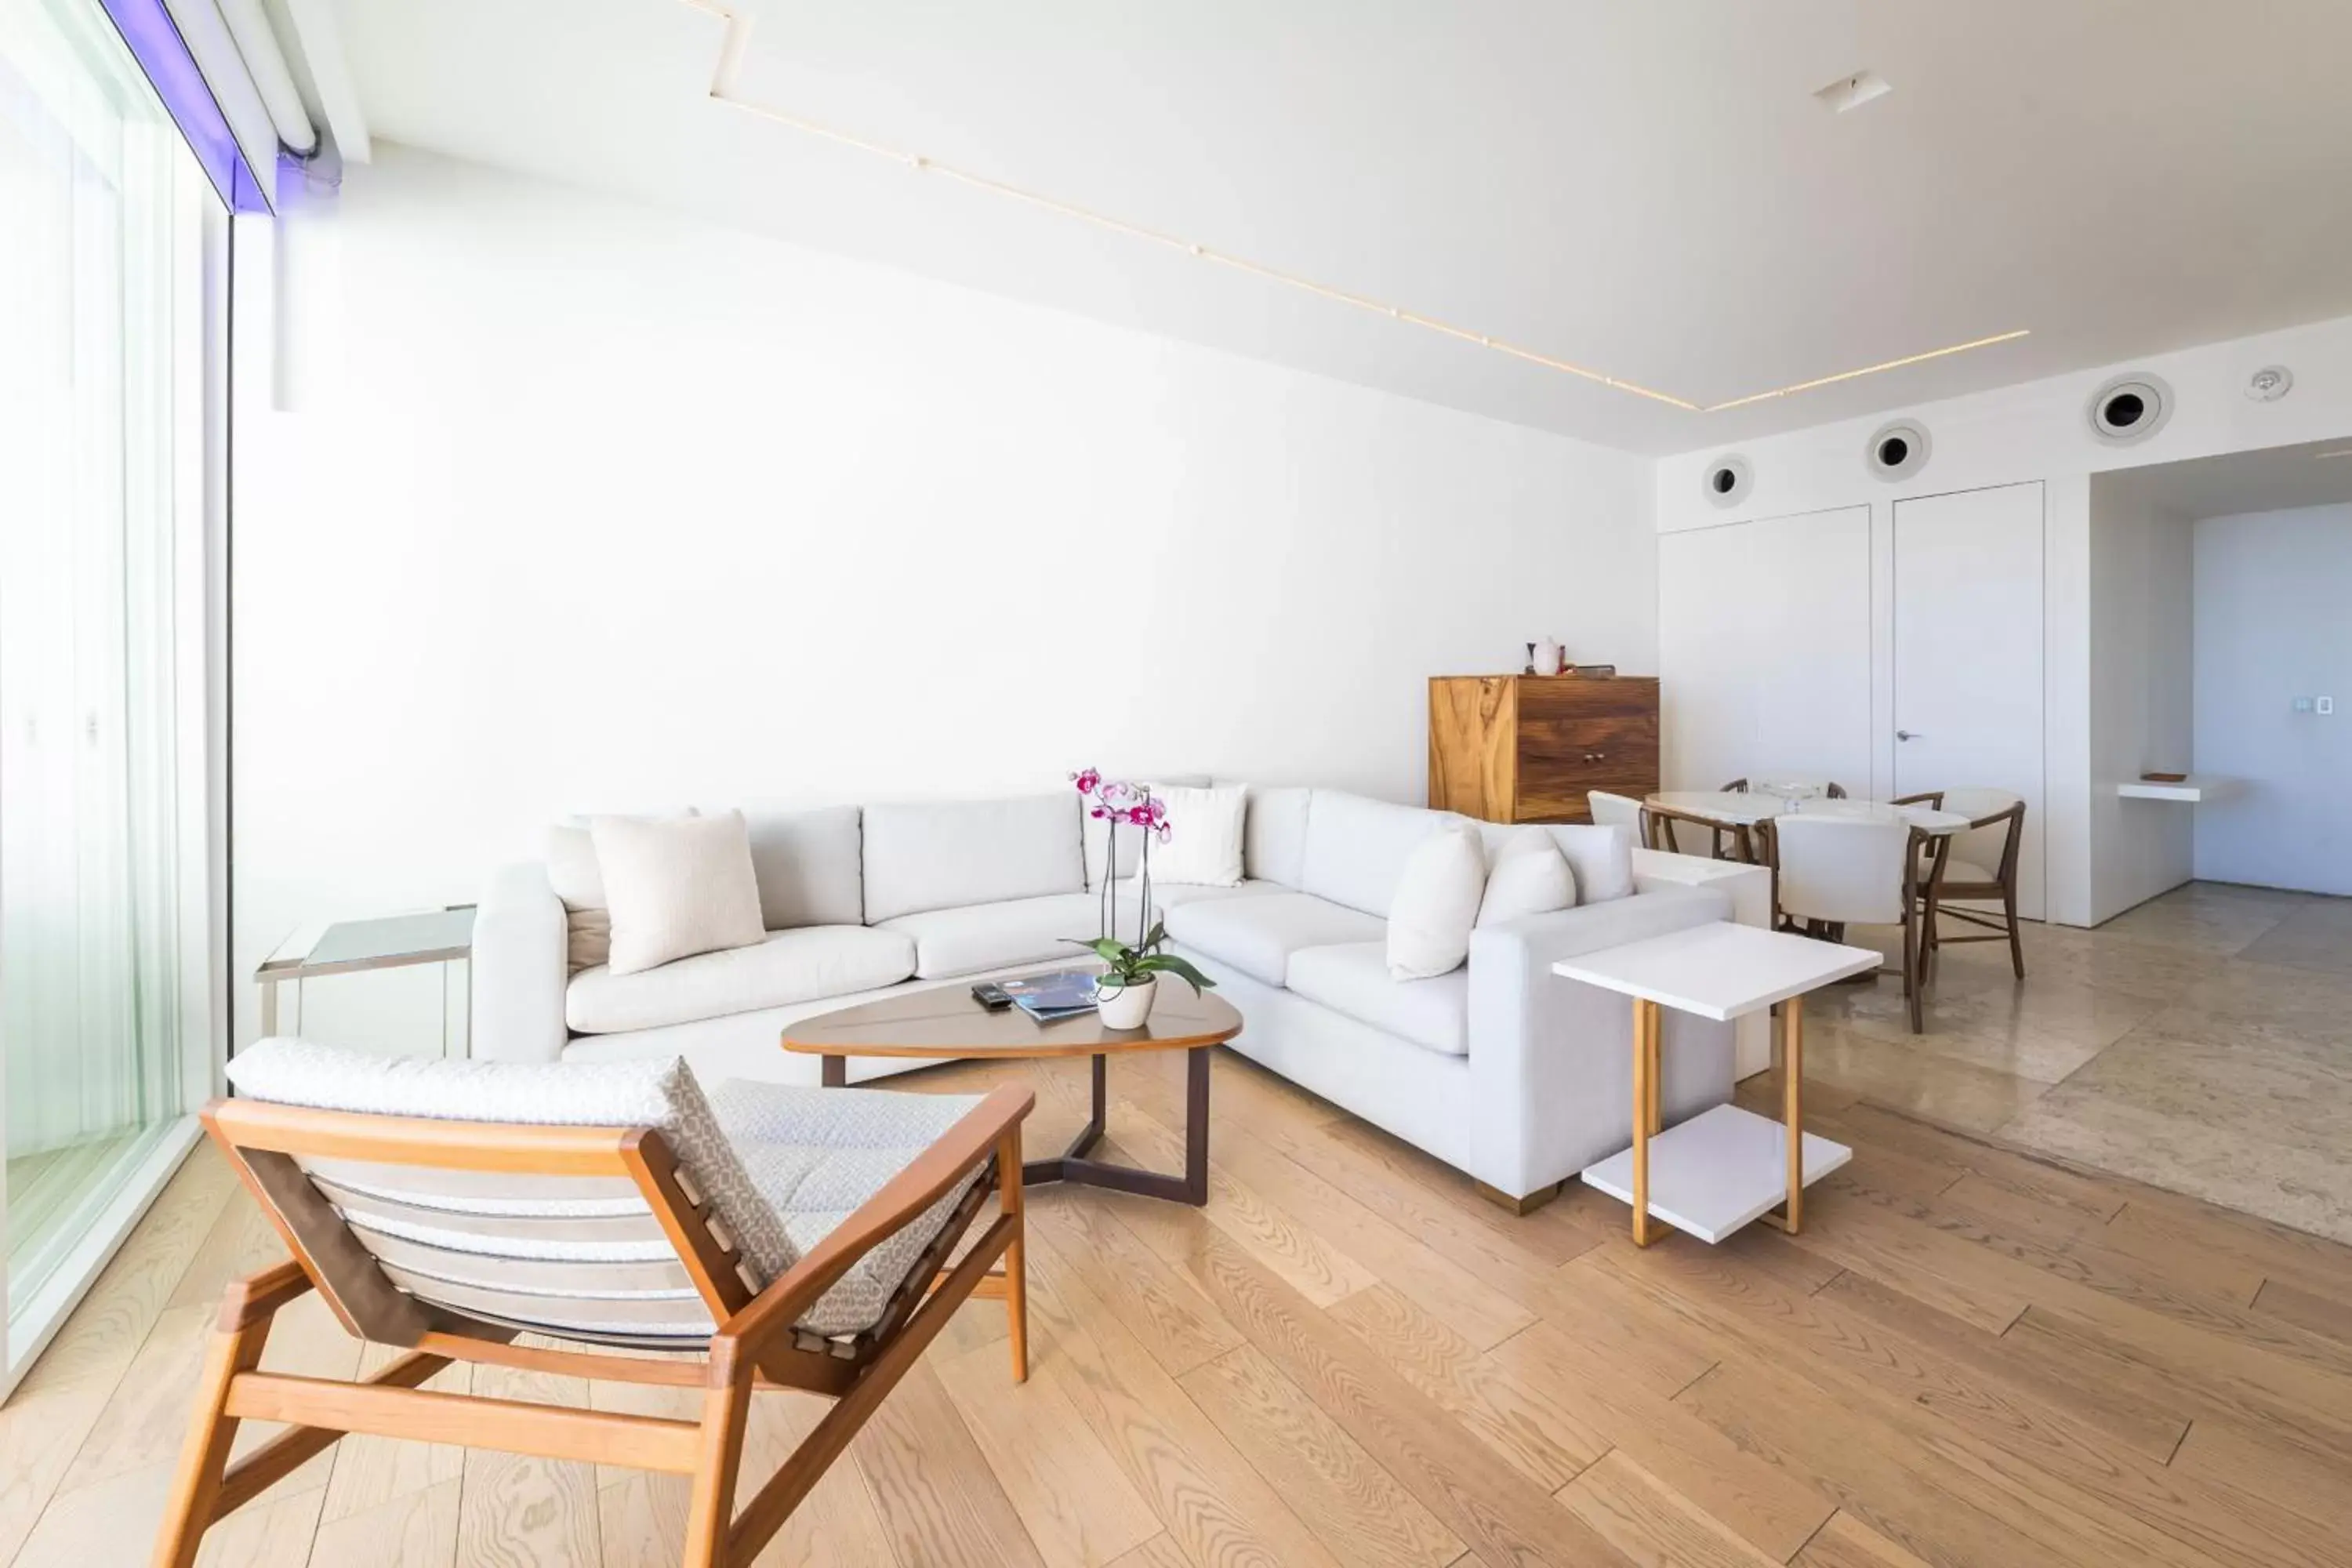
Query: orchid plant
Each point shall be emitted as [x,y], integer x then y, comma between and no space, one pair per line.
[1117,803]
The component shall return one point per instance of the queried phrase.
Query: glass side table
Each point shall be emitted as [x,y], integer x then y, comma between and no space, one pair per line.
[353,947]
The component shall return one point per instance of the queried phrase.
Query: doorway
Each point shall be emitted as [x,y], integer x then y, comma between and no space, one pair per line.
[1968,658]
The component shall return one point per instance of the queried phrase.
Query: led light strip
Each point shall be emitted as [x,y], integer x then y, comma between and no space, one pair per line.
[730,61]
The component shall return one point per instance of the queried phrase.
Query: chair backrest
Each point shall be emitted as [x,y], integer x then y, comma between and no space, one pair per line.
[603,1206]
[1615,810]
[1991,849]
[1842,869]
[1737,786]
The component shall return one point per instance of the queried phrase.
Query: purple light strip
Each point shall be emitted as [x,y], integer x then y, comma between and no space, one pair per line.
[161,52]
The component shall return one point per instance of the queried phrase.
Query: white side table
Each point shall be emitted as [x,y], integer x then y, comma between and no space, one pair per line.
[1713,1173]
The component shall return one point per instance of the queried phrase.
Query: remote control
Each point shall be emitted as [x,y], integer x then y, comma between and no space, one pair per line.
[990,995]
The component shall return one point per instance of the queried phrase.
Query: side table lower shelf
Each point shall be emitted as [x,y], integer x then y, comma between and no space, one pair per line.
[1723,1168]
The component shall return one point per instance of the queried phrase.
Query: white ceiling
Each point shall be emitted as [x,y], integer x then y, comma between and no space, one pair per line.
[1645,187]
[2278,479]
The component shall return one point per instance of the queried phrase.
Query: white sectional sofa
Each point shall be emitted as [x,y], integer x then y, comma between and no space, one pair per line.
[1500,1069]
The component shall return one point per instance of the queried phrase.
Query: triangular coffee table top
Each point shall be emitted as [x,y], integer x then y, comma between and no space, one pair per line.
[944,1021]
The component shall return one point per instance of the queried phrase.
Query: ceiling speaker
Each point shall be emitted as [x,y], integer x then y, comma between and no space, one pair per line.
[2270,384]
[1898,451]
[2129,408]
[1727,481]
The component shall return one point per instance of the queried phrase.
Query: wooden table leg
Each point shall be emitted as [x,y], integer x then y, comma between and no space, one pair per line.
[1645,1019]
[1657,1070]
[833,1071]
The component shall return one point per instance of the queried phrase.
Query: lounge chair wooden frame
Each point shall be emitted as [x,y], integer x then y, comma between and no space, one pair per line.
[756,1344]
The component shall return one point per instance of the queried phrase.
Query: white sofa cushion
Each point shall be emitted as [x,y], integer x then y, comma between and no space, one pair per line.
[1436,904]
[1356,848]
[809,865]
[1130,842]
[1167,896]
[676,888]
[946,855]
[1528,875]
[1354,979]
[572,872]
[1015,930]
[1601,857]
[1274,835]
[787,966]
[1205,837]
[816,1155]
[1257,935]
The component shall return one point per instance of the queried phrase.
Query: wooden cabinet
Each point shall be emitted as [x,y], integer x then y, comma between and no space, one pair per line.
[1525,748]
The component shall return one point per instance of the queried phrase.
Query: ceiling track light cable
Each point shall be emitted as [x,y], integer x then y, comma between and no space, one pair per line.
[732,50]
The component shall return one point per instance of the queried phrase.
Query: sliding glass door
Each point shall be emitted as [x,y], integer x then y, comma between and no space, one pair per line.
[103,215]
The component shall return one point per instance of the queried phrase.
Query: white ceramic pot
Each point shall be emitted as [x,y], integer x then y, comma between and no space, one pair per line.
[1127,1007]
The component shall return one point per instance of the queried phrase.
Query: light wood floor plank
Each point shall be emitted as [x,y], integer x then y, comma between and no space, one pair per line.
[932,1491]
[1650,1522]
[1217,1509]
[1357,1509]
[1071,1496]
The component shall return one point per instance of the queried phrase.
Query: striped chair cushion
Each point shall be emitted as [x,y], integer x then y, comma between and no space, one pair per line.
[779,1168]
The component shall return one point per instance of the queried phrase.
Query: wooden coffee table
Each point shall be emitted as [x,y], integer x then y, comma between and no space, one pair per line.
[945,1023]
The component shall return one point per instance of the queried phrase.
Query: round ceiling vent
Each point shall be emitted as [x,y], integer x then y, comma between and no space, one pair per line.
[2128,409]
[2270,384]
[1727,481]
[1898,451]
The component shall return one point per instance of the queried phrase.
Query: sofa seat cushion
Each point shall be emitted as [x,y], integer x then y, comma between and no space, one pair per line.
[817,1154]
[1353,979]
[980,937]
[789,966]
[1257,935]
[1167,896]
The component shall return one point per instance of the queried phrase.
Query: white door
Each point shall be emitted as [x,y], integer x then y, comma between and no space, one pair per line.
[1968,653]
[1764,650]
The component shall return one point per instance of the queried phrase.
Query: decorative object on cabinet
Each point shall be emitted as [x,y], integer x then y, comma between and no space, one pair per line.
[1512,748]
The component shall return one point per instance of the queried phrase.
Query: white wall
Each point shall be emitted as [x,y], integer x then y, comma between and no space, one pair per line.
[579,504]
[2140,676]
[2272,594]
[2036,431]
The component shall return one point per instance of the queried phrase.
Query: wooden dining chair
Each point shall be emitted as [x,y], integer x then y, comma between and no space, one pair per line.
[1981,869]
[619,1211]
[1830,872]
[1725,840]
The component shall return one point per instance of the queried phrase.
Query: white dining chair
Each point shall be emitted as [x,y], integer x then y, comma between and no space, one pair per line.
[1615,810]
[1833,871]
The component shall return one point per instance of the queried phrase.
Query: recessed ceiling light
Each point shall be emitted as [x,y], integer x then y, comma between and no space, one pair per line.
[1849,92]
[1862,87]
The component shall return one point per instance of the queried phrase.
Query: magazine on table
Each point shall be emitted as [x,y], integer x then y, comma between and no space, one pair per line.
[1050,998]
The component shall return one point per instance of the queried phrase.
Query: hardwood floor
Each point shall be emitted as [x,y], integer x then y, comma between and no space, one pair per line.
[1972,1356]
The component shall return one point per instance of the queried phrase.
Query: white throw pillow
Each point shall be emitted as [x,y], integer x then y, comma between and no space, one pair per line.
[1205,837]
[1529,877]
[1436,904]
[677,887]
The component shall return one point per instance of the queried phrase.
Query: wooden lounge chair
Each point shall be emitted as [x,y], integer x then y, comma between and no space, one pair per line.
[675,1229]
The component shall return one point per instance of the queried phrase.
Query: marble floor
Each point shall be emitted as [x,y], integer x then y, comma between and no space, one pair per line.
[2201,1042]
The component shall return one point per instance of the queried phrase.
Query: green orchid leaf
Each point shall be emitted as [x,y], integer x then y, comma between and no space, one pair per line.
[1169,963]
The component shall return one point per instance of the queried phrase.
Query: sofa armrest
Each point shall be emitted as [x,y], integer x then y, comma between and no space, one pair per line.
[521,965]
[1552,1058]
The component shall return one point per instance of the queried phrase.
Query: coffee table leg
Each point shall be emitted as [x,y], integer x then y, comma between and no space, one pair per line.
[1074,1169]
[1645,1018]
[833,1071]
[1196,1127]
